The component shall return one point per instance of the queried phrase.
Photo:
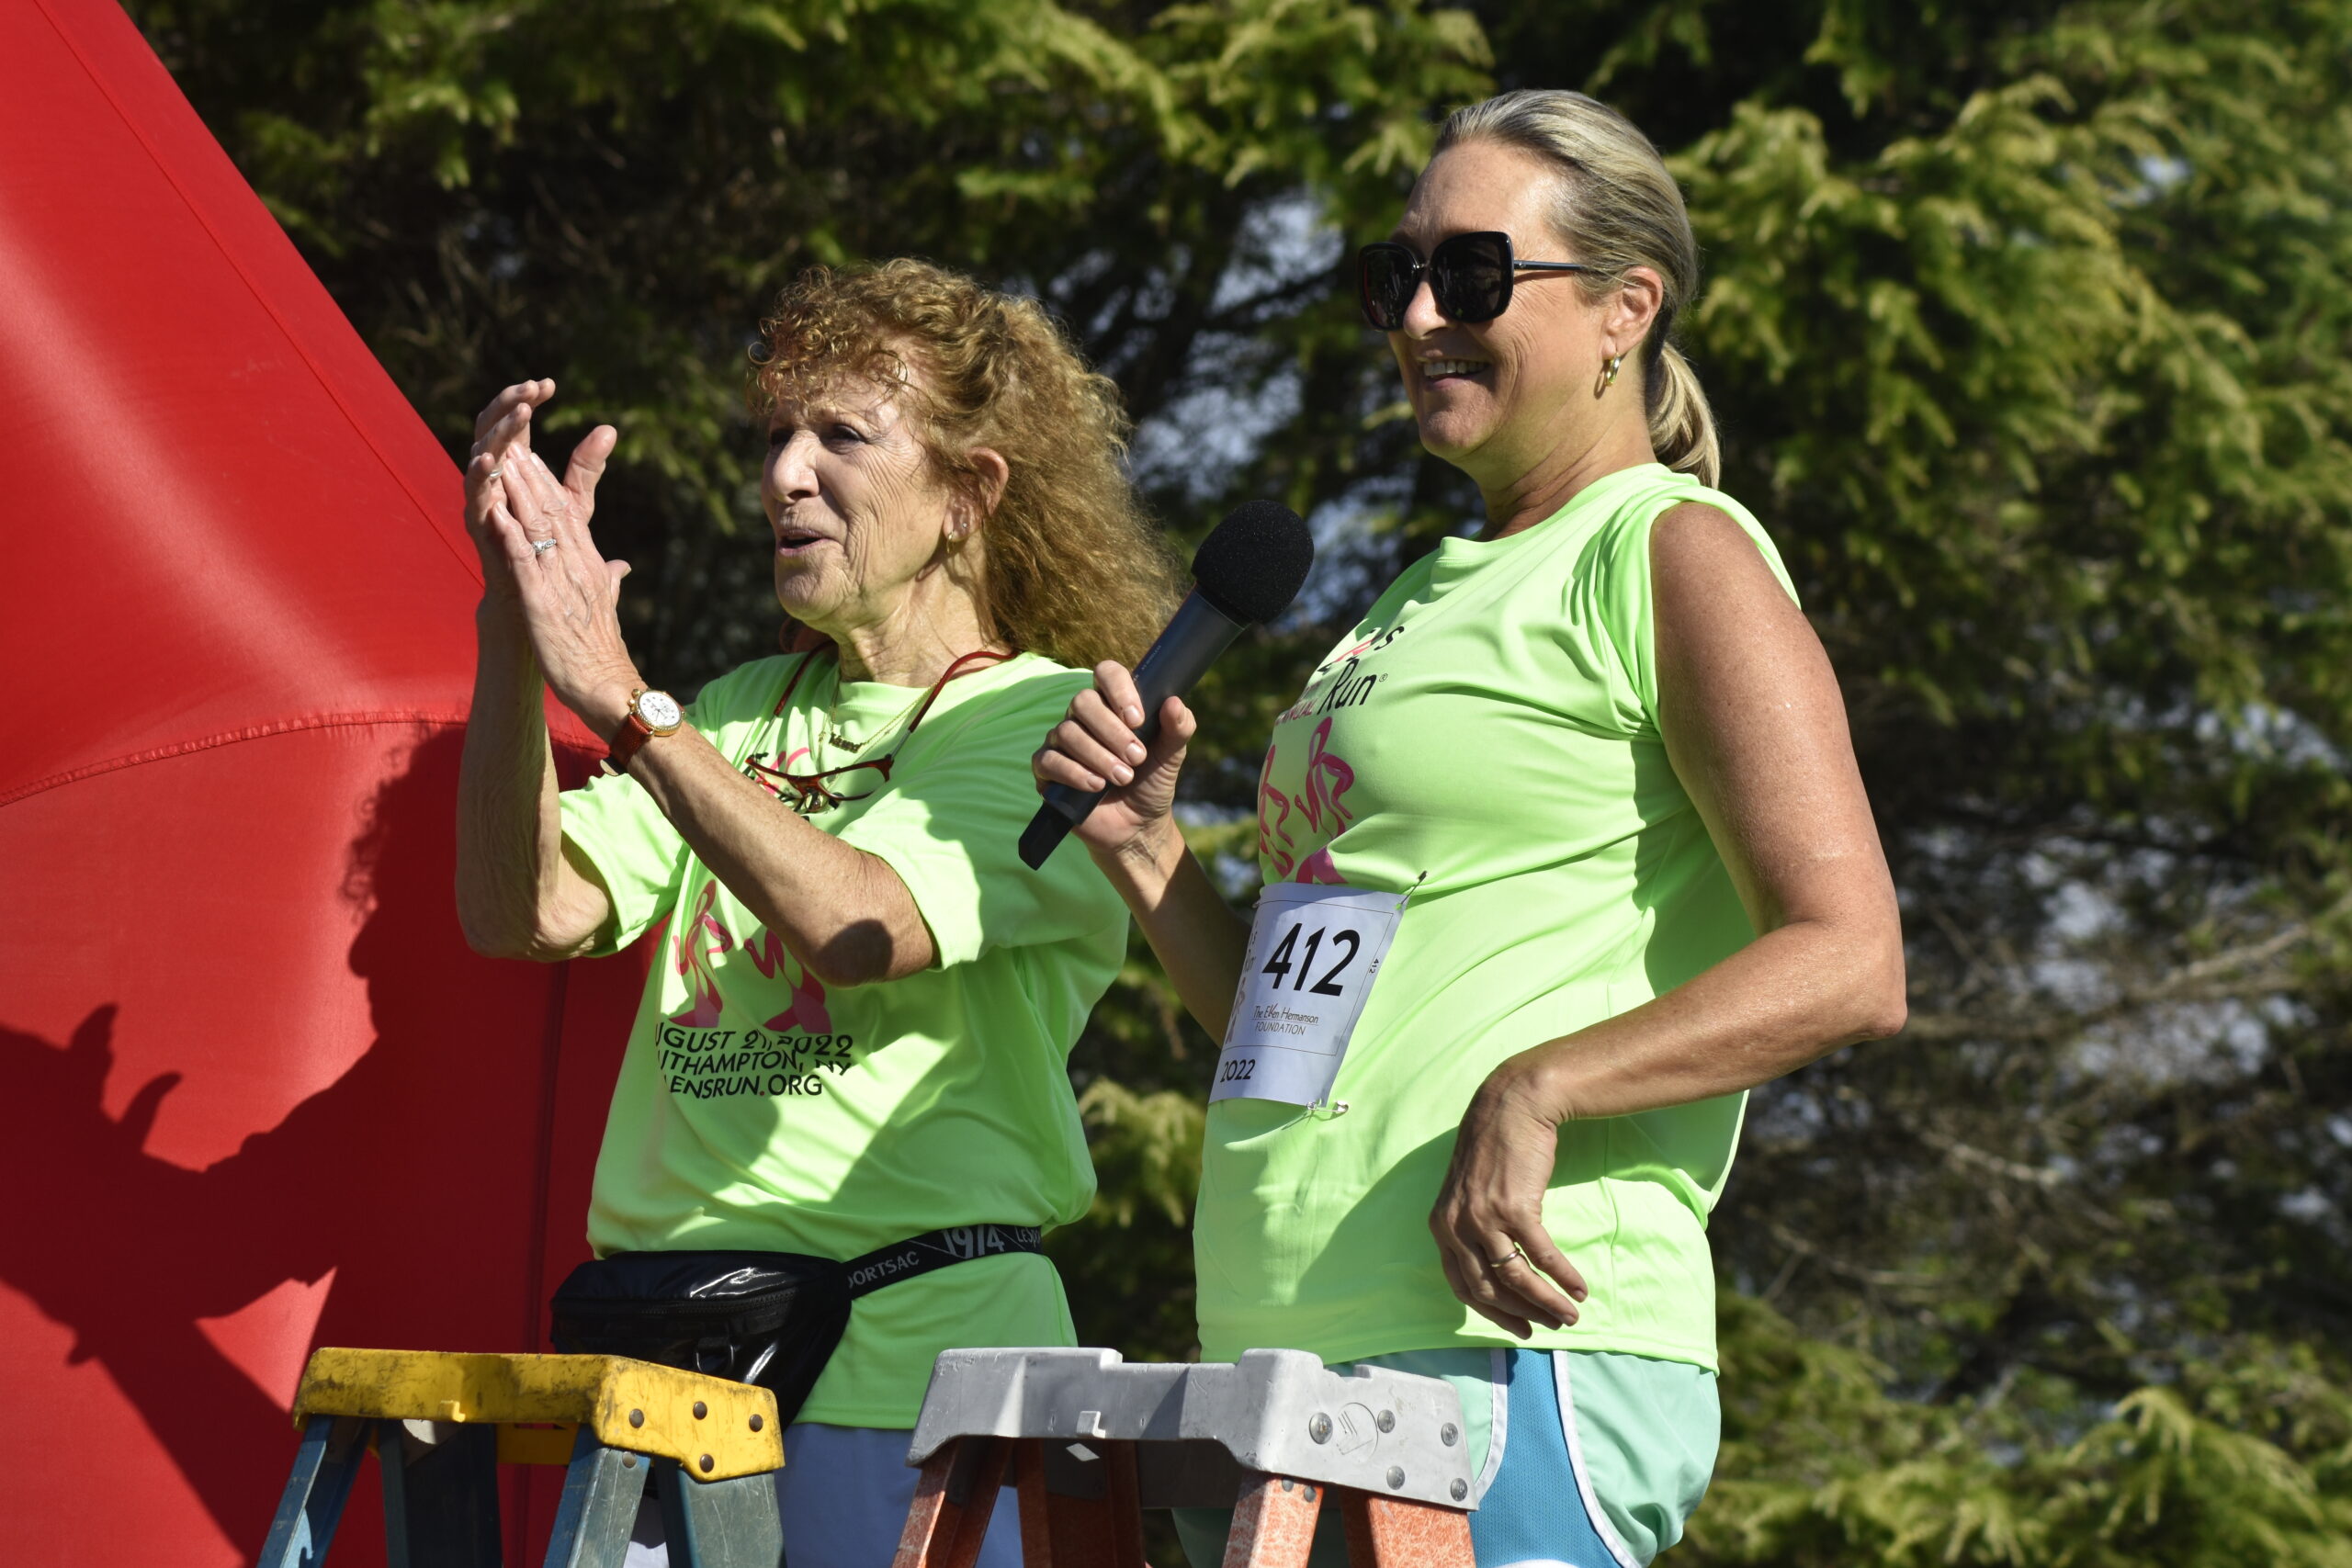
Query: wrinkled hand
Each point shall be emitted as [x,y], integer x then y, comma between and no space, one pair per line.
[503,430]
[538,558]
[1096,747]
[1490,1216]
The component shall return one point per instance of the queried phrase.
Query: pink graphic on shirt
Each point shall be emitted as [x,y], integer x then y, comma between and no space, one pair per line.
[1317,868]
[807,1014]
[1268,831]
[1328,778]
[699,943]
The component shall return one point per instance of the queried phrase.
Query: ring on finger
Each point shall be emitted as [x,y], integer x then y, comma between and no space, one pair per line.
[496,472]
[541,547]
[1517,1254]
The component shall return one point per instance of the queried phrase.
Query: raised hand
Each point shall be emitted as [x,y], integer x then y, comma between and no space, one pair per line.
[502,430]
[532,530]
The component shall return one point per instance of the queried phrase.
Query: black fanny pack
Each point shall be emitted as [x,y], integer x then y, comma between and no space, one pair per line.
[770,1318]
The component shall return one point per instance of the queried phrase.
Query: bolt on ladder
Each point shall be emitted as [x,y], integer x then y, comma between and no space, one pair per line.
[1088,1442]
[440,1424]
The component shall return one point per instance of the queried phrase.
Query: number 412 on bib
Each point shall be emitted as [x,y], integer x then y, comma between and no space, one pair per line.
[1314,952]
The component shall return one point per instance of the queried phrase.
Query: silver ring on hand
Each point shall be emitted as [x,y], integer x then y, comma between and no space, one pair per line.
[1516,1254]
[496,472]
[541,547]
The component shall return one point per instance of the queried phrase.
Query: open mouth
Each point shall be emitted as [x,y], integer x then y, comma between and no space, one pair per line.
[1437,372]
[794,541]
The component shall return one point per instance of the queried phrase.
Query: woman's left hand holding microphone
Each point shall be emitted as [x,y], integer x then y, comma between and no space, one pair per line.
[539,562]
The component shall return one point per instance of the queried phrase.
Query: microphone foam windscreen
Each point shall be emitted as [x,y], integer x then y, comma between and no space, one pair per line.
[1253,564]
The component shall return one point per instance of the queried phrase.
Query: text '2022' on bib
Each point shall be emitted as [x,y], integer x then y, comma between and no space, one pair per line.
[1314,952]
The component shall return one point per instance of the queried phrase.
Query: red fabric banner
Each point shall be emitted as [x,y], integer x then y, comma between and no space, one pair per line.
[255,1095]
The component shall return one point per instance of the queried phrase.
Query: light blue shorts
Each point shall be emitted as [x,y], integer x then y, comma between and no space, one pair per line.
[1584,1458]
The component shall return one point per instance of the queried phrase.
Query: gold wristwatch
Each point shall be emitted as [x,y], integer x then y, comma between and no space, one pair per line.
[650,713]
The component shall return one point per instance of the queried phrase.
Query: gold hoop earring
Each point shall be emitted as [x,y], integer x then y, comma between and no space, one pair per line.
[1615,361]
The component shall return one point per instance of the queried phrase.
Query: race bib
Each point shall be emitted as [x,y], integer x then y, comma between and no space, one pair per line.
[1314,952]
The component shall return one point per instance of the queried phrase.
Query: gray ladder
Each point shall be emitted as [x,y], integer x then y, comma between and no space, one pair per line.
[1089,1441]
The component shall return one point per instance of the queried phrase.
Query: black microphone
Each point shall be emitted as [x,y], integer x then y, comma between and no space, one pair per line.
[1248,569]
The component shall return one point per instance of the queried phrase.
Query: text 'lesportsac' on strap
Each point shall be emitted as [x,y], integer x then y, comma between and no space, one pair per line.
[937,1250]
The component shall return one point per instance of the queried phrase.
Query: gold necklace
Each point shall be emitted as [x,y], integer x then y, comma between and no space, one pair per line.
[828,732]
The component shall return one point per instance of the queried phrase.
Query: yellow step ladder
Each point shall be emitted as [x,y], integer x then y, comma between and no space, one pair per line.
[440,1424]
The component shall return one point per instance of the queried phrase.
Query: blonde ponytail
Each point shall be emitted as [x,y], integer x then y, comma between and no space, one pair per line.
[1618,208]
[1682,427]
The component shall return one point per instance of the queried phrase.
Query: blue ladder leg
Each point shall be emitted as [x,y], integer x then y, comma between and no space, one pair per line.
[600,1496]
[720,1524]
[325,1467]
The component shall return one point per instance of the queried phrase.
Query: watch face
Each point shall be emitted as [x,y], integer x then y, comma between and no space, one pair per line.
[659,710]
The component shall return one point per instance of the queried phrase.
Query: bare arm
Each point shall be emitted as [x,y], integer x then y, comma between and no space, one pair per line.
[1133,837]
[522,890]
[1756,728]
[844,914]
[1198,939]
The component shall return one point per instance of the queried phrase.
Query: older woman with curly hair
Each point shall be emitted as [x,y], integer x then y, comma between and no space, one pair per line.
[851,1046]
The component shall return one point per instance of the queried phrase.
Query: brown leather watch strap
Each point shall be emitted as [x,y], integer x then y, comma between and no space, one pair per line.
[633,735]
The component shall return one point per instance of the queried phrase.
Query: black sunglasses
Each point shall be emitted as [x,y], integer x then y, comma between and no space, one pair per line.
[1470,277]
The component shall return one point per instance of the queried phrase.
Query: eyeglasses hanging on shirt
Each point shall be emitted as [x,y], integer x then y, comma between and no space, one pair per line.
[811,793]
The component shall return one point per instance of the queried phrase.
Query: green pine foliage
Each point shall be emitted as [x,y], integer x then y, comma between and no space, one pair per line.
[2029,326]
[2246,1463]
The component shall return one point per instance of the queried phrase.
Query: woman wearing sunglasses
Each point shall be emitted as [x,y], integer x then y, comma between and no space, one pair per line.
[1586,776]
[851,1048]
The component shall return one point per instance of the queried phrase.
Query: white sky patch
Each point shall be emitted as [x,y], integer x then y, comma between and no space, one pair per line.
[1237,390]
[1202,437]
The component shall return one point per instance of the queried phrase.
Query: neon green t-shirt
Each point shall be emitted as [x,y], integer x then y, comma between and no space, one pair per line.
[756,1109]
[1491,724]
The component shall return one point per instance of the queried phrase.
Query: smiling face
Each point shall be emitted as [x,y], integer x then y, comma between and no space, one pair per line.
[1500,399]
[860,514]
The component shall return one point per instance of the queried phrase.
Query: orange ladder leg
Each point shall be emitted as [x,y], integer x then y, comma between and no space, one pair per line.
[953,1498]
[1059,1532]
[1273,1523]
[1390,1532]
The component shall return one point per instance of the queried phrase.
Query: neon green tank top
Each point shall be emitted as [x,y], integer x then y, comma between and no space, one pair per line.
[1490,730]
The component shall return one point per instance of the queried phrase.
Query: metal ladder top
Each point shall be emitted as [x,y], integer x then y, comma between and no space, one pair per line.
[1089,1441]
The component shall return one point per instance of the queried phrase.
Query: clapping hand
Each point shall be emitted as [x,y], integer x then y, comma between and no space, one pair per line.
[538,558]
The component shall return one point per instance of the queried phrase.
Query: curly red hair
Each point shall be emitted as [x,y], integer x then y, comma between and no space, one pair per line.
[1070,567]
